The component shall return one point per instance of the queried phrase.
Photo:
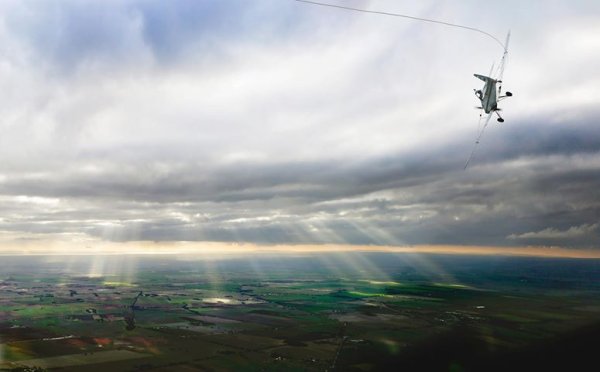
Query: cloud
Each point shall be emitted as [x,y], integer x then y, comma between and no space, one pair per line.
[276,122]
[583,231]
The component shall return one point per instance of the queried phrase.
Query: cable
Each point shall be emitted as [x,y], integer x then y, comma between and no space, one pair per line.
[480,130]
[404,16]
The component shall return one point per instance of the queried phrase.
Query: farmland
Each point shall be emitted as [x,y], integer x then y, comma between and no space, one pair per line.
[350,312]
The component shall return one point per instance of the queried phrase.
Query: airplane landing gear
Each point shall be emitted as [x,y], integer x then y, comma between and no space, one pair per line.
[500,119]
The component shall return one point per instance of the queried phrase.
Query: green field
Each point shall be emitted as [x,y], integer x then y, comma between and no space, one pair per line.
[288,317]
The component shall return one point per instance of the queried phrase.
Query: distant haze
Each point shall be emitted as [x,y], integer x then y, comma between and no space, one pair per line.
[265,123]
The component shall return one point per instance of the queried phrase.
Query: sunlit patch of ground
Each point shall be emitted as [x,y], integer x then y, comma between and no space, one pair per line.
[221,300]
[452,285]
[366,294]
[119,284]
[375,282]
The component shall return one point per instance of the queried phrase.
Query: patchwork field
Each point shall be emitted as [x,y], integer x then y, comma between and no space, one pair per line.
[367,312]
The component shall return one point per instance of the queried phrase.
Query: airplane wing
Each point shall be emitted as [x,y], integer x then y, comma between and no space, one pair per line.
[504,58]
[483,78]
[480,131]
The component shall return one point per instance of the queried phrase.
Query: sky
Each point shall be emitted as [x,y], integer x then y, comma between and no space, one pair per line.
[272,122]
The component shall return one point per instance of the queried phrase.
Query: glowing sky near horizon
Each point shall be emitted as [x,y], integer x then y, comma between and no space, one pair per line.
[278,123]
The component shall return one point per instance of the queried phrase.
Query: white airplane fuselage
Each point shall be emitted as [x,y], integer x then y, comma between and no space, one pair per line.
[488,96]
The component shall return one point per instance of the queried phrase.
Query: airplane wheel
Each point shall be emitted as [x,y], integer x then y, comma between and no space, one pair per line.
[501,120]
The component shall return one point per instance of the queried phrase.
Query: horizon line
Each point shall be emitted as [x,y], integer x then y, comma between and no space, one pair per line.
[221,248]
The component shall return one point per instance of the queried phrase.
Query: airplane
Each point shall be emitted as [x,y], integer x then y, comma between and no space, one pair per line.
[491,93]
[489,97]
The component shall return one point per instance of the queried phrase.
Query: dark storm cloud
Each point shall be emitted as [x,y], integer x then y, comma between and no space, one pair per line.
[145,180]
[417,198]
